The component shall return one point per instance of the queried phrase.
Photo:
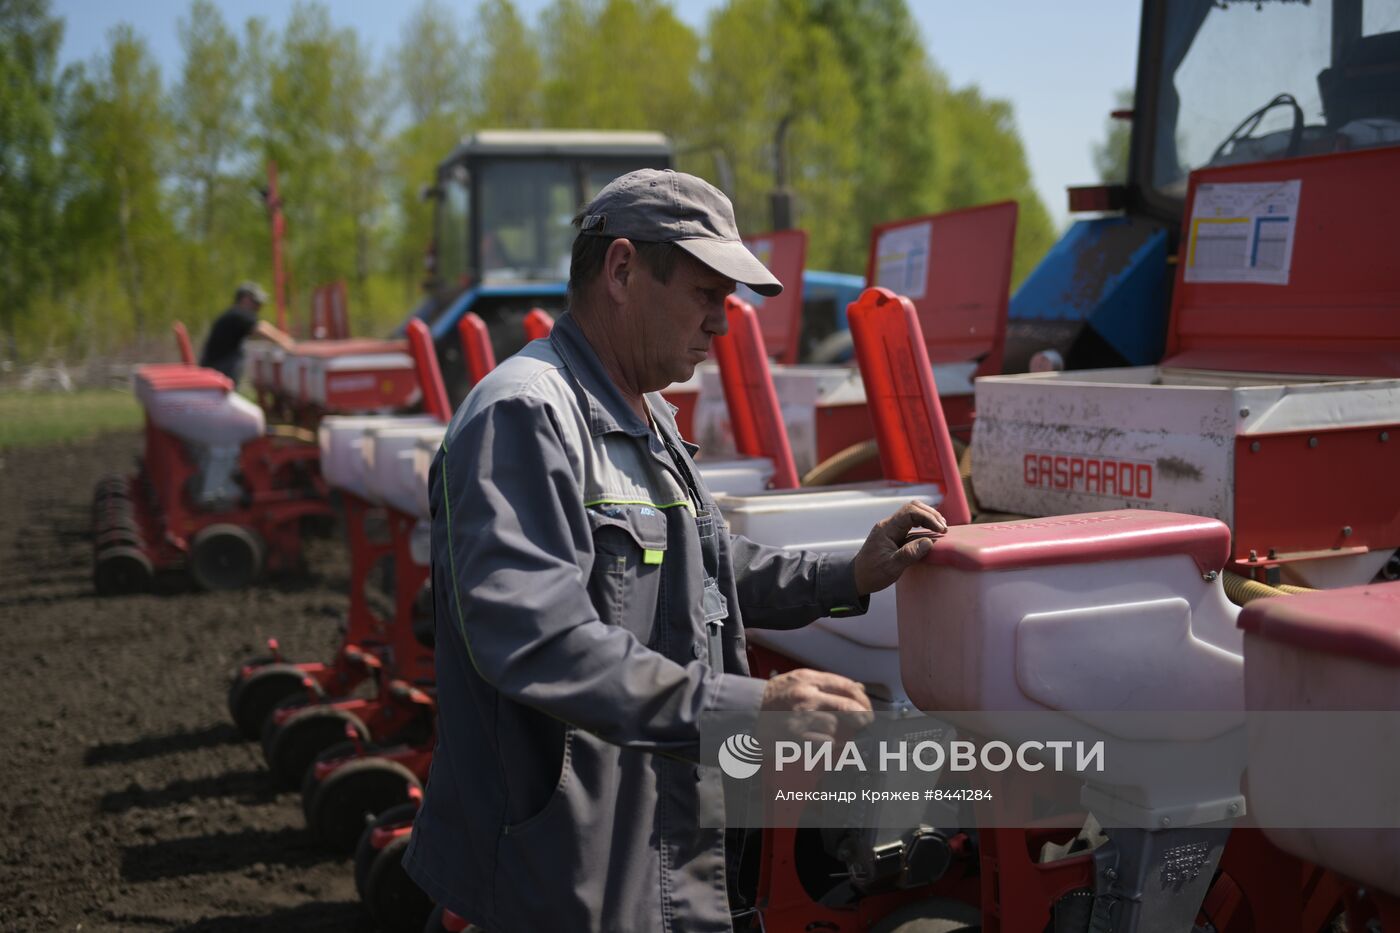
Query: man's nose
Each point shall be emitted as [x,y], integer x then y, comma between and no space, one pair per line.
[717,322]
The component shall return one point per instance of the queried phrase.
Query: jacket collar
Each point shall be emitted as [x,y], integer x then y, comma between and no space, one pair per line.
[607,410]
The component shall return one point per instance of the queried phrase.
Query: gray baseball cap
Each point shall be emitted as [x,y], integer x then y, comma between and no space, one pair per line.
[253,289]
[664,206]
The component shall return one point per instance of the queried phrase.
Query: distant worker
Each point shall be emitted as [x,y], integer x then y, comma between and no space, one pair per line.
[223,348]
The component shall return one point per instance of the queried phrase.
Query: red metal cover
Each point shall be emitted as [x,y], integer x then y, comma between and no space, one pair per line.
[1338,313]
[1092,537]
[182,340]
[162,377]
[425,363]
[910,429]
[480,357]
[754,414]
[780,318]
[538,324]
[1360,622]
[956,269]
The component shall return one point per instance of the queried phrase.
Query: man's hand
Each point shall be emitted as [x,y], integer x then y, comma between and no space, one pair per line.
[811,698]
[886,553]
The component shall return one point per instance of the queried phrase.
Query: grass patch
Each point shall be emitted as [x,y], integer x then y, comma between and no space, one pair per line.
[28,419]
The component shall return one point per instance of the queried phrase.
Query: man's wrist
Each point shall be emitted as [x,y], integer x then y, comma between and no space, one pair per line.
[838,587]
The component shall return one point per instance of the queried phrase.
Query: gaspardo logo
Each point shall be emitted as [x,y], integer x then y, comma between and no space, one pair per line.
[740,756]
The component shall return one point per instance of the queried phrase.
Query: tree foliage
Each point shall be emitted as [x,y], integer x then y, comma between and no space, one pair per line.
[30,174]
[119,145]
[127,201]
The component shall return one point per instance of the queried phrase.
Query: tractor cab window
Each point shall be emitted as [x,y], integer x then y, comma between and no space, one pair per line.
[1254,80]
[526,209]
[453,219]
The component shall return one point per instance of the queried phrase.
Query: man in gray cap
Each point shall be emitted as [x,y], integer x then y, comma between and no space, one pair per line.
[223,348]
[591,603]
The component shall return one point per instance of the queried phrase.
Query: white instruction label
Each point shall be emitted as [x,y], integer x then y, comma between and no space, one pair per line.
[901,259]
[1243,232]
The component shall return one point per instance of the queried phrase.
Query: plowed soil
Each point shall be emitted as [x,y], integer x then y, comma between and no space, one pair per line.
[128,800]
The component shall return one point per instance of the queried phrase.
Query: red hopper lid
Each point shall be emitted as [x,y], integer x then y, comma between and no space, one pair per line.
[1317,237]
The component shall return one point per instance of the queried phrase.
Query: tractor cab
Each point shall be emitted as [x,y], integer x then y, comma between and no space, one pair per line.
[502,227]
[1219,82]
[1234,82]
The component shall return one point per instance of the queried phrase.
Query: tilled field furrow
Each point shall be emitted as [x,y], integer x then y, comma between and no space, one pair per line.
[130,802]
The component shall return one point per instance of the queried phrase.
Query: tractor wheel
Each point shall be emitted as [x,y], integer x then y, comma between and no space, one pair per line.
[393,900]
[365,852]
[119,571]
[931,916]
[353,795]
[224,557]
[253,698]
[235,682]
[339,752]
[309,732]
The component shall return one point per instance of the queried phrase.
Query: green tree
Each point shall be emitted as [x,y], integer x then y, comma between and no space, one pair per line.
[432,64]
[435,90]
[619,64]
[1111,155]
[926,147]
[510,72]
[901,168]
[119,142]
[30,173]
[360,109]
[770,67]
[988,164]
[209,108]
[321,108]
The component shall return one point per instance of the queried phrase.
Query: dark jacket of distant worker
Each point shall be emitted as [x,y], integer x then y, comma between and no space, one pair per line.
[223,348]
[591,603]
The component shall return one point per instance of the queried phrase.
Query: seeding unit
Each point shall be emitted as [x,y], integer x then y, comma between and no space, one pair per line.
[301,709]
[333,377]
[1277,407]
[217,495]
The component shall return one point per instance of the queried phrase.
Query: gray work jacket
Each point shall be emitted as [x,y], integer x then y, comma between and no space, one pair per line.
[572,659]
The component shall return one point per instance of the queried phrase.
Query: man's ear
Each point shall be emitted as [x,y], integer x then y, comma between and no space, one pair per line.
[619,265]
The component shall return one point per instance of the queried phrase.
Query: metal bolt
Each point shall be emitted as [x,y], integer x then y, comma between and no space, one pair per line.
[1209,576]
[1166,822]
[1312,442]
[1346,531]
[1244,412]
[1234,808]
[1385,436]
[1254,448]
[1111,874]
[1253,555]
